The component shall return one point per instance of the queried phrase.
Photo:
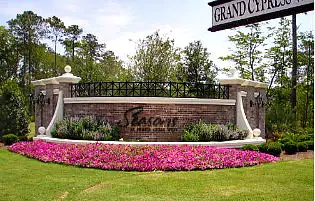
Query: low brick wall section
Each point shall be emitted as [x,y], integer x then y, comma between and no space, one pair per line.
[153,122]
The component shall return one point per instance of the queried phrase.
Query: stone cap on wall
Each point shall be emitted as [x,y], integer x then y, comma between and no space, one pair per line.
[243,82]
[67,77]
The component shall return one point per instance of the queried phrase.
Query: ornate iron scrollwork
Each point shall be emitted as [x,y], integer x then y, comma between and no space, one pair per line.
[41,99]
[259,101]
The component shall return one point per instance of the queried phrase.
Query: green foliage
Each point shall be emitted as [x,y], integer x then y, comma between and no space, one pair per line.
[25,138]
[280,53]
[310,145]
[13,112]
[305,90]
[247,54]
[250,147]
[73,33]
[8,59]
[282,115]
[263,148]
[274,148]
[156,59]
[87,128]
[190,136]
[299,141]
[9,139]
[296,137]
[302,146]
[27,29]
[196,66]
[290,147]
[55,31]
[203,132]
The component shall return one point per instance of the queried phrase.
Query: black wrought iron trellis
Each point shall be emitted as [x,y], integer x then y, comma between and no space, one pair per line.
[150,89]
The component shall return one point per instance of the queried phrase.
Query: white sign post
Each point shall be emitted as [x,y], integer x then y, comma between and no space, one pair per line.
[232,13]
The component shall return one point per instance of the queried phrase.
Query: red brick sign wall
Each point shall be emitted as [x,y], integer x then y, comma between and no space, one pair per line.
[153,122]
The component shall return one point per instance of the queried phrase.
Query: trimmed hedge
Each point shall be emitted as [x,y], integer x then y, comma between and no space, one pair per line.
[263,148]
[310,145]
[9,139]
[274,148]
[250,147]
[290,147]
[302,146]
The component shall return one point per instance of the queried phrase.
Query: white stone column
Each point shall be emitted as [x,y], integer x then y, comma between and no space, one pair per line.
[61,86]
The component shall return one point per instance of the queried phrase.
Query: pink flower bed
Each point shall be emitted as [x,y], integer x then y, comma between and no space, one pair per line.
[141,158]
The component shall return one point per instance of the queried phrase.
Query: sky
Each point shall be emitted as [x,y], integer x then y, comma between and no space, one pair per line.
[121,23]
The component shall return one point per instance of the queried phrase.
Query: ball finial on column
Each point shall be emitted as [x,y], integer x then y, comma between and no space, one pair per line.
[41,130]
[256,132]
[67,69]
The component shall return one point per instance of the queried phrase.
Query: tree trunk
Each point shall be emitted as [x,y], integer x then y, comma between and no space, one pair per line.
[73,51]
[308,74]
[294,66]
[56,54]
[29,62]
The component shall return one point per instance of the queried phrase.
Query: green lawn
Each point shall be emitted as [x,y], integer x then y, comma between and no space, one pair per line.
[27,179]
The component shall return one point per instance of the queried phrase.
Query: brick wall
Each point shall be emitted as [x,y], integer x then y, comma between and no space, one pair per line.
[154,122]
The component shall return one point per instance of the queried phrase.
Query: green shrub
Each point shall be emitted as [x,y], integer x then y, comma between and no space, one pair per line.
[190,137]
[211,132]
[274,148]
[303,138]
[204,132]
[310,145]
[250,147]
[13,110]
[9,139]
[302,146]
[88,128]
[290,147]
[263,148]
[237,134]
[23,138]
[284,140]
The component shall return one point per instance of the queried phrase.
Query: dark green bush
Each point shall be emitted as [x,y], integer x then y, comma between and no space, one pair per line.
[204,132]
[274,148]
[250,147]
[310,145]
[290,147]
[88,128]
[23,138]
[13,110]
[302,146]
[284,140]
[9,139]
[263,148]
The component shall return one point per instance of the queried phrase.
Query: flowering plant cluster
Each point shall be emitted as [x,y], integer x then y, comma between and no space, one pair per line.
[141,158]
[87,128]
